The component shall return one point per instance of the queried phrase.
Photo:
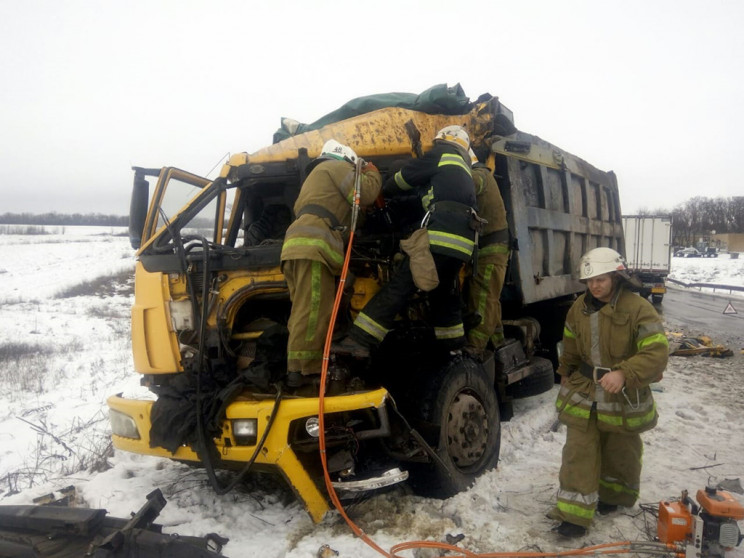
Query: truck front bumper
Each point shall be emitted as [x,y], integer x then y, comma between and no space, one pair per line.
[131,432]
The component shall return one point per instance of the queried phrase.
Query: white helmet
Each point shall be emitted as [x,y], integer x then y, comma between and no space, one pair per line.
[455,135]
[336,150]
[601,260]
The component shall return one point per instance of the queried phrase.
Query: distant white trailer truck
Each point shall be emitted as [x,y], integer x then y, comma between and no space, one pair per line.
[648,251]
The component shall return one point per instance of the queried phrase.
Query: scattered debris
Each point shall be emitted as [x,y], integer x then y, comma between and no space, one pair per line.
[89,532]
[702,345]
[326,551]
[65,498]
[731,485]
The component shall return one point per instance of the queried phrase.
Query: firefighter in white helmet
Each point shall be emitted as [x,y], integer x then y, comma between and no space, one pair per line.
[455,135]
[313,251]
[435,253]
[614,347]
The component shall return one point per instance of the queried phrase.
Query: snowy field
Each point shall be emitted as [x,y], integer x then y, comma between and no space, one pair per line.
[64,347]
[722,270]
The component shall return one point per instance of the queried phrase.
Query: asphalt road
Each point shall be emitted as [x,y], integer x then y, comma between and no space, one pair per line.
[702,314]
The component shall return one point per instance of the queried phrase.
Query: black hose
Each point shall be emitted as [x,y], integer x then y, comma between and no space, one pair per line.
[203,366]
[209,466]
[181,253]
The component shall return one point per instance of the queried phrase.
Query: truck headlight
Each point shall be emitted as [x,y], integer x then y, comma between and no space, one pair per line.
[245,431]
[312,427]
[123,425]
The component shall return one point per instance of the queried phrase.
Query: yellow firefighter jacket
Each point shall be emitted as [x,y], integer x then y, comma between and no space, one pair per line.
[323,211]
[625,334]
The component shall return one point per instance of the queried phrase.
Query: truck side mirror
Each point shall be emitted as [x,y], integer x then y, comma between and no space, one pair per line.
[138,209]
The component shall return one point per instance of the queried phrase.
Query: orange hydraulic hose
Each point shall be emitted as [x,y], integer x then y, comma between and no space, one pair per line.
[324,373]
[624,547]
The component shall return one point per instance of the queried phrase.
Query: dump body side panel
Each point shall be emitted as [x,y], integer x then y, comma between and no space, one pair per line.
[558,207]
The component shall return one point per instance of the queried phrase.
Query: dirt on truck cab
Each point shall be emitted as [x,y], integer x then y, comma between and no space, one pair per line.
[211,308]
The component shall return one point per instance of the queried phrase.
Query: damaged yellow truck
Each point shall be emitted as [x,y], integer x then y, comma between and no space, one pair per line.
[211,308]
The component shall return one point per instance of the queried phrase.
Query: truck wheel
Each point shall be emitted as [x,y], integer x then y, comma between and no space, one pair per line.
[656,299]
[463,404]
[541,380]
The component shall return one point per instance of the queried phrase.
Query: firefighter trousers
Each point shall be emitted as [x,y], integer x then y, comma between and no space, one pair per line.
[597,465]
[377,318]
[484,290]
[312,290]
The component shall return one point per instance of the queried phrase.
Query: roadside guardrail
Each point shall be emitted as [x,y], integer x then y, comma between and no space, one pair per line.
[714,286]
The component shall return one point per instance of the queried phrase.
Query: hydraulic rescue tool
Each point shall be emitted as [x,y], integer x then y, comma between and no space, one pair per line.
[707,528]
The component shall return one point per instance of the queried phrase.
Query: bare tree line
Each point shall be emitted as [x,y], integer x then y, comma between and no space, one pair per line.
[702,217]
[59,219]
[696,217]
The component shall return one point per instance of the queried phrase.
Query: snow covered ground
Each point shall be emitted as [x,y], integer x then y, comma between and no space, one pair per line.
[61,357]
[723,270]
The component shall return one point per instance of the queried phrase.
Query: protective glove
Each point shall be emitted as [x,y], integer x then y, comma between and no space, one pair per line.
[390,188]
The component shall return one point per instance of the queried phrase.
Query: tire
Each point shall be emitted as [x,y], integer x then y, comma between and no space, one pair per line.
[540,381]
[656,299]
[463,405]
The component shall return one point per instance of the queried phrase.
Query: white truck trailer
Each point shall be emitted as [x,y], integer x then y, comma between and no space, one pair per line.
[648,251]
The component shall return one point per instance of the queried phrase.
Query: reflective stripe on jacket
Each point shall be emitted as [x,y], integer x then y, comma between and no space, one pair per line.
[331,186]
[442,178]
[449,230]
[625,334]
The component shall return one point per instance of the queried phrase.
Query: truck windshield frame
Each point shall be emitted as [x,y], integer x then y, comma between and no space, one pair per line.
[184,204]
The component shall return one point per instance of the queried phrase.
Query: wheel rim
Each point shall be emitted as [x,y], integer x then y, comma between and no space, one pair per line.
[466,429]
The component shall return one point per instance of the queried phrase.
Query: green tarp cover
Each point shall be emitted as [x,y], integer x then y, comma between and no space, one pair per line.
[438,99]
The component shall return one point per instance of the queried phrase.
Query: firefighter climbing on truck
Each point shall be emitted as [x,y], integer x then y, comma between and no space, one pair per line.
[313,251]
[485,281]
[442,180]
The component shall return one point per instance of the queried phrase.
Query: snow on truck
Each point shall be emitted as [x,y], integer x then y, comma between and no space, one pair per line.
[211,307]
[648,243]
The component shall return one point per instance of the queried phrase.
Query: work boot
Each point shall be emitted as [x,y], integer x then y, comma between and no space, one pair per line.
[297,379]
[349,346]
[605,509]
[570,530]
[302,385]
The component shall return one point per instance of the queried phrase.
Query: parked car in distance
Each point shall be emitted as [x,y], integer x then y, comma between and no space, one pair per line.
[710,252]
[687,253]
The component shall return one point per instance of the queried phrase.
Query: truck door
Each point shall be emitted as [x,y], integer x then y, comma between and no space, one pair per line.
[177,192]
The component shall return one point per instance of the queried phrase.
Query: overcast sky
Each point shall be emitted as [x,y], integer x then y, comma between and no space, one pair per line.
[651,89]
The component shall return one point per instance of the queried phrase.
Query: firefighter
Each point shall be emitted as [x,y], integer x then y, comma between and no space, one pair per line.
[443,182]
[313,251]
[487,279]
[614,346]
